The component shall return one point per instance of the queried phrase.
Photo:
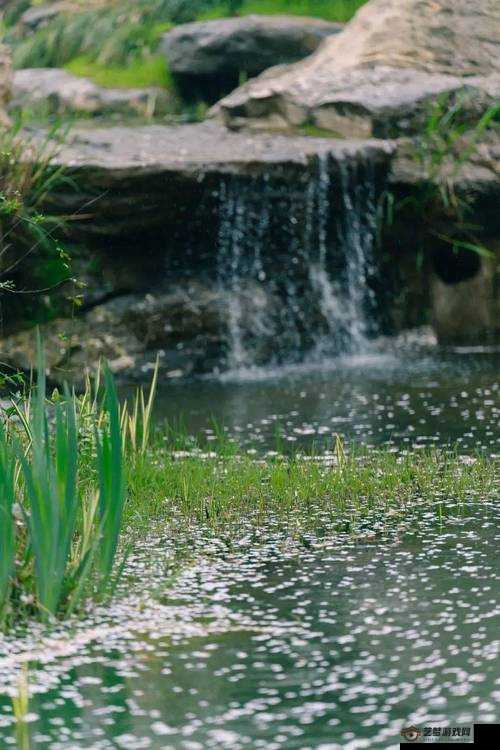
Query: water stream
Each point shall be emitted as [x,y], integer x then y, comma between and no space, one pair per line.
[316,301]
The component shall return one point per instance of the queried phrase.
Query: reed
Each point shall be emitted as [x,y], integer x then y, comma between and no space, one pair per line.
[50,475]
[111,484]
[7,534]
[61,464]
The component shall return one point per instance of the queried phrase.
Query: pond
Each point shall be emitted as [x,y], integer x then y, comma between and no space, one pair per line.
[409,397]
[322,641]
[335,645]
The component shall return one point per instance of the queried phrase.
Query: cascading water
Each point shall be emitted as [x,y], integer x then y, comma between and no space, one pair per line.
[294,265]
[347,302]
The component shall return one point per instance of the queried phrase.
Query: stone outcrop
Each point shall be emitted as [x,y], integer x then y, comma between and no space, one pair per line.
[62,93]
[149,181]
[155,210]
[379,75]
[209,58]
[463,308]
[186,325]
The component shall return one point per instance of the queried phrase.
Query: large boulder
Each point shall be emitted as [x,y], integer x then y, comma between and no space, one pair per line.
[379,75]
[61,93]
[38,16]
[157,181]
[208,58]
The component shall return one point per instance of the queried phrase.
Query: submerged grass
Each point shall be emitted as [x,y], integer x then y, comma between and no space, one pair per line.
[221,489]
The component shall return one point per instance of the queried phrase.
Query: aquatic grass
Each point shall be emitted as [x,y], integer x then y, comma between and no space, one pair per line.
[136,424]
[61,465]
[221,490]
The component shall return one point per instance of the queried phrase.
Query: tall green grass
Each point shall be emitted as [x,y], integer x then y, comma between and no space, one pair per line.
[111,482]
[51,494]
[7,534]
[121,32]
[113,33]
[61,464]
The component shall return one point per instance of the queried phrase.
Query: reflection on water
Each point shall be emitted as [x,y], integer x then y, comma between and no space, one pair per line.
[403,399]
[334,645]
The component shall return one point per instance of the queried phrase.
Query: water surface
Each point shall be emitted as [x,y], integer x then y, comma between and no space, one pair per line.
[286,641]
[406,399]
[334,644]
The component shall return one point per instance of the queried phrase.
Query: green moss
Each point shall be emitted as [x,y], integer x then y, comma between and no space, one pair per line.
[314,132]
[140,73]
[330,10]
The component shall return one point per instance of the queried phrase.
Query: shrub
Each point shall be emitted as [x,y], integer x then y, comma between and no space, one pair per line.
[32,260]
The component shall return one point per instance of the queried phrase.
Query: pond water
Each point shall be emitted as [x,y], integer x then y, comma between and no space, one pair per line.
[339,644]
[325,641]
[404,397]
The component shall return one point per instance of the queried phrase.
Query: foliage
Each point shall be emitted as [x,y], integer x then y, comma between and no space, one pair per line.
[26,178]
[121,32]
[51,495]
[116,33]
[66,476]
[447,142]
[137,74]
[7,500]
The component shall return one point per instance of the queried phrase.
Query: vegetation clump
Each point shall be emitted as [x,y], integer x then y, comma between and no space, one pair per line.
[29,232]
[120,35]
[59,530]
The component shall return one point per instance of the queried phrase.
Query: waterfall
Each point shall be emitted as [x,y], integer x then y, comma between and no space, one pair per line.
[347,302]
[294,265]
